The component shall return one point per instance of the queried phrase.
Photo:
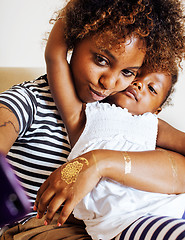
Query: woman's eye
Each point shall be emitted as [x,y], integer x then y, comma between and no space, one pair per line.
[128,73]
[152,89]
[101,60]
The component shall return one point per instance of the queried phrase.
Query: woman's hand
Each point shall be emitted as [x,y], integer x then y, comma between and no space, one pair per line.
[69,183]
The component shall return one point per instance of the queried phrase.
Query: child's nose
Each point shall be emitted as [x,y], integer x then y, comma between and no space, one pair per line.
[138,84]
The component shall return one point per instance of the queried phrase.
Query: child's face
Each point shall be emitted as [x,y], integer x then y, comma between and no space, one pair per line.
[145,94]
[99,71]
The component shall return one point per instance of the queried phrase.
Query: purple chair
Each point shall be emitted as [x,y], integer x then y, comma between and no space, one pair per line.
[14,203]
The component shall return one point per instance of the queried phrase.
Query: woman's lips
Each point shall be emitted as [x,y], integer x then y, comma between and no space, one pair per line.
[97,96]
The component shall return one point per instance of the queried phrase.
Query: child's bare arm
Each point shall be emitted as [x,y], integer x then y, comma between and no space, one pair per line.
[61,84]
[170,138]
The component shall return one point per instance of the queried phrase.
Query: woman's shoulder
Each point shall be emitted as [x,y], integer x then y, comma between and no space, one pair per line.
[28,99]
[41,83]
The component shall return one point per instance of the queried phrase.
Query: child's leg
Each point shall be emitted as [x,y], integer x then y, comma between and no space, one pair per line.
[154,228]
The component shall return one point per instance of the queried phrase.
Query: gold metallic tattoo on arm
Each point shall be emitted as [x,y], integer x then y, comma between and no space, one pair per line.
[173,168]
[95,161]
[9,122]
[70,172]
[127,161]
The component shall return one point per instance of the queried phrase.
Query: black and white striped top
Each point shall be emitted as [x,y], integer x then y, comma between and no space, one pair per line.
[42,144]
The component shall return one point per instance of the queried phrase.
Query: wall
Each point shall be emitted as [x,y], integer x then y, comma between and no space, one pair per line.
[175,114]
[23,24]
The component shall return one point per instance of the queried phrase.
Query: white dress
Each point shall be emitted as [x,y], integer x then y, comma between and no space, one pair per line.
[110,207]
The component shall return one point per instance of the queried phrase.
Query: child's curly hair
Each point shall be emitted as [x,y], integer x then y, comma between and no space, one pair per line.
[160,23]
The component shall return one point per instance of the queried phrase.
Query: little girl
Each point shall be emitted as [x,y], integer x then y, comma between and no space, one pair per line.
[111,207]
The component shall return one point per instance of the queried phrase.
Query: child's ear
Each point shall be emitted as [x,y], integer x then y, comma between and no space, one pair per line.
[158,111]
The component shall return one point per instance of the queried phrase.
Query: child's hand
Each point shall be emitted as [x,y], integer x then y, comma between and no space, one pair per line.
[69,183]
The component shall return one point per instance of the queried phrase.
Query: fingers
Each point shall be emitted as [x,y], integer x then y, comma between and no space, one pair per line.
[44,201]
[67,195]
[43,187]
[44,196]
[53,207]
[66,211]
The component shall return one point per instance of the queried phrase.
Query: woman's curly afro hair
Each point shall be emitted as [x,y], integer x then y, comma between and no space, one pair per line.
[160,23]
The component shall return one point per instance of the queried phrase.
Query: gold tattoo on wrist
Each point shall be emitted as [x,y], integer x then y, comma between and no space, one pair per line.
[127,161]
[95,161]
[72,169]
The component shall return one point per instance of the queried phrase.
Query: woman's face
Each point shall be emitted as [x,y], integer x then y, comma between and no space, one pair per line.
[99,71]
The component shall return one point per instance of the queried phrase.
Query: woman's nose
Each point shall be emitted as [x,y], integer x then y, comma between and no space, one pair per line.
[108,81]
[138,84]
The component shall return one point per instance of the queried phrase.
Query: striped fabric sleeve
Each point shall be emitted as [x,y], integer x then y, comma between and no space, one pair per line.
[23,104]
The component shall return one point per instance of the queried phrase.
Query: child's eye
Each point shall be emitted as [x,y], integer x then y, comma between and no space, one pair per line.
[152,89]
[101,60]
[128,73]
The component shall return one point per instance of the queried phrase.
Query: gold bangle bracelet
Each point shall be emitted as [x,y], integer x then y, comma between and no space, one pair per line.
[128,163]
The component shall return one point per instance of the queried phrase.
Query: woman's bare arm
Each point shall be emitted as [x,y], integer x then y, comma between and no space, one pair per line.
[9,129]
[159,171]
[154,171]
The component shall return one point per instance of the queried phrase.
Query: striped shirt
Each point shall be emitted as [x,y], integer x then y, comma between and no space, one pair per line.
[42,144]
